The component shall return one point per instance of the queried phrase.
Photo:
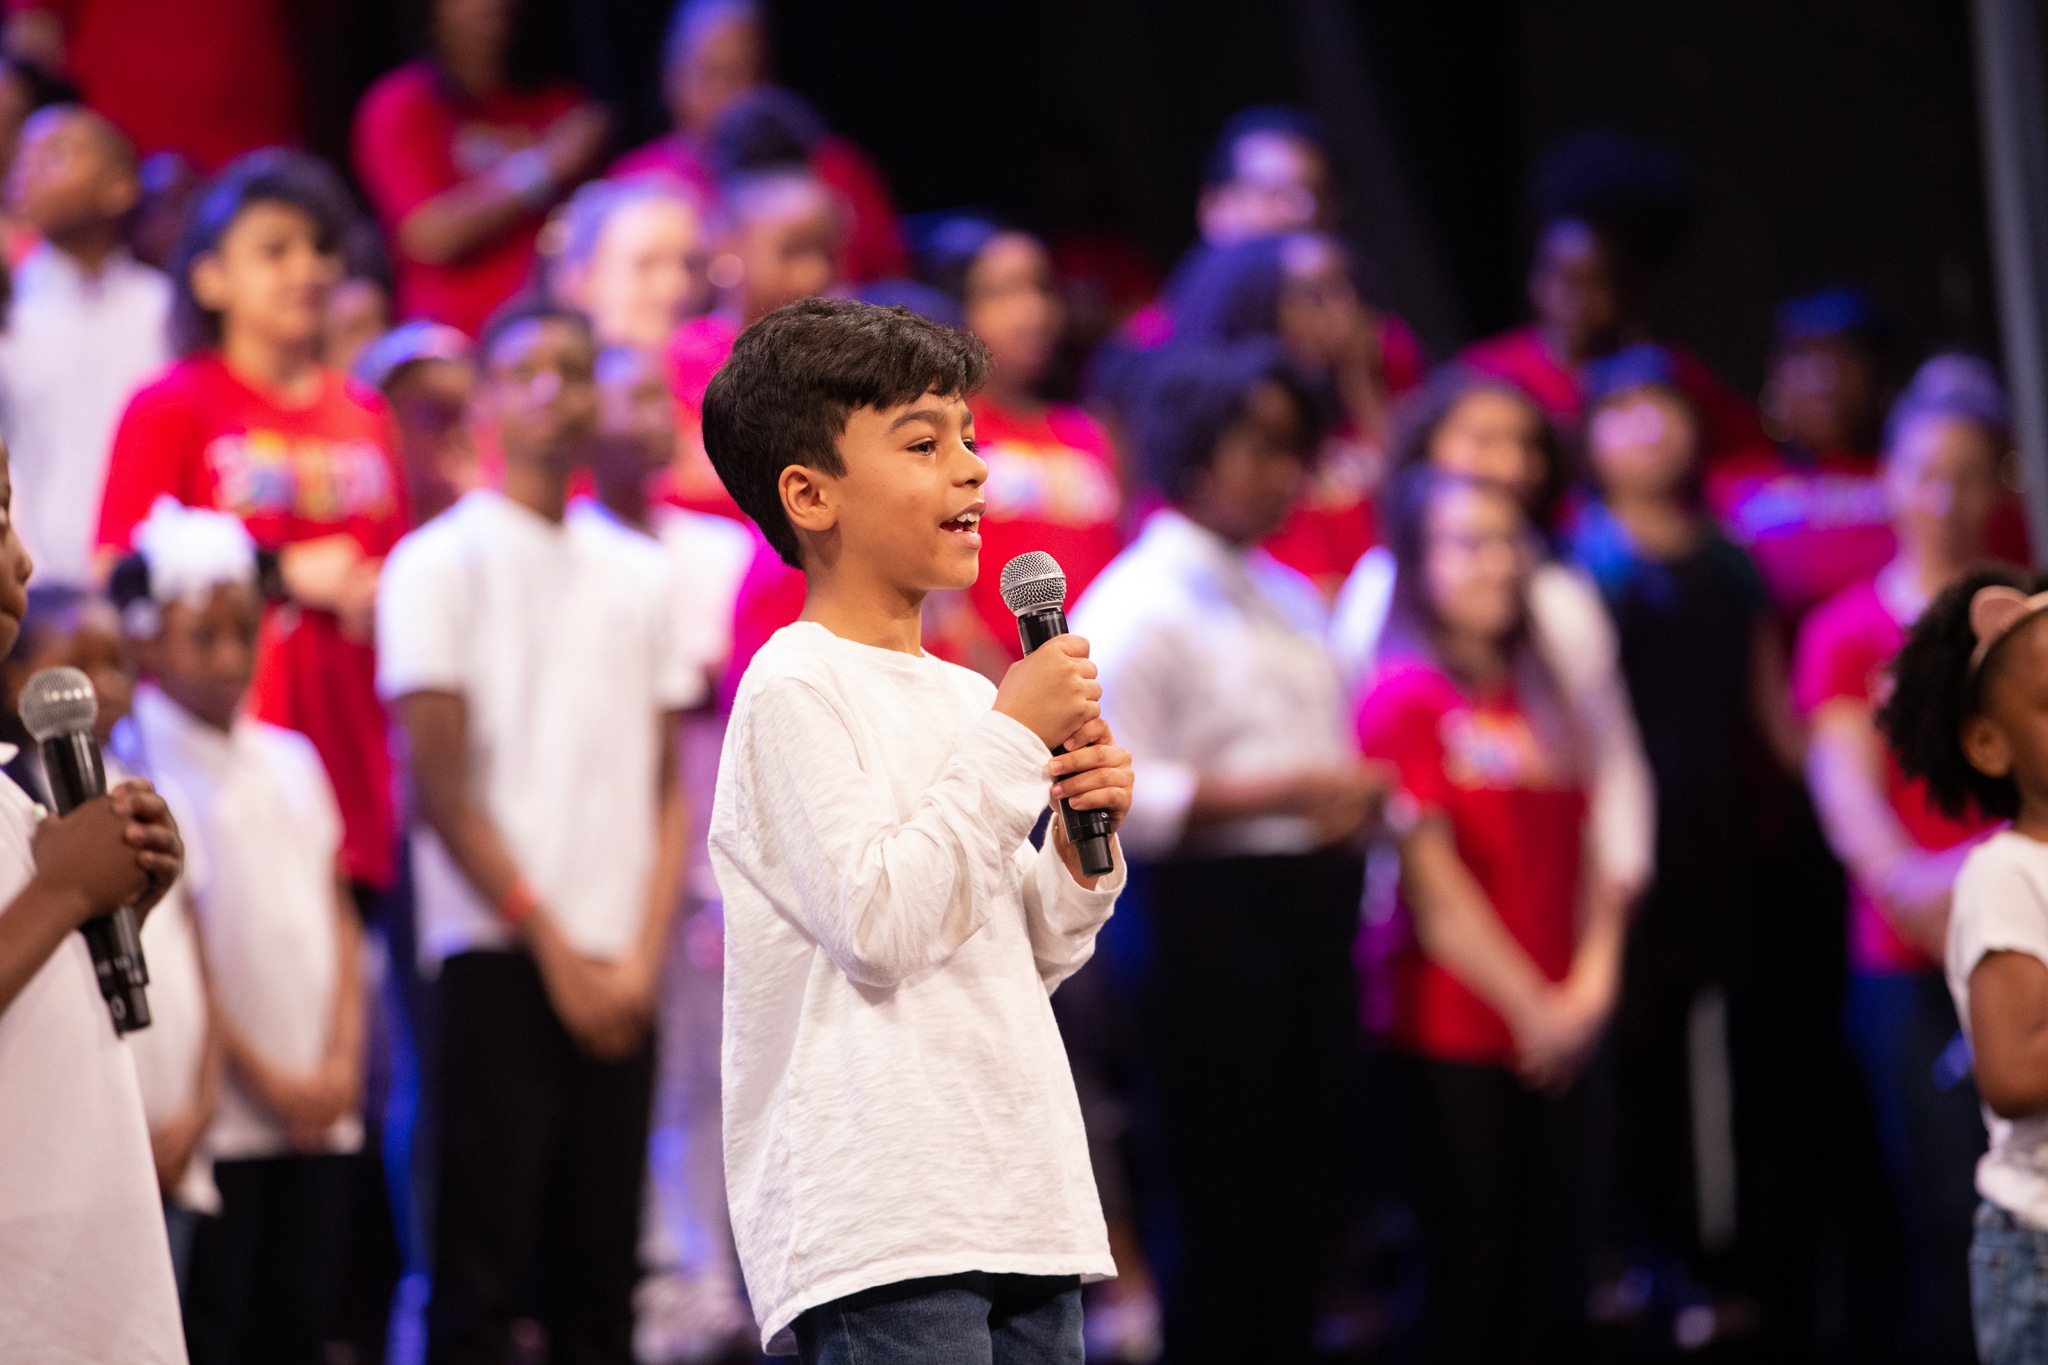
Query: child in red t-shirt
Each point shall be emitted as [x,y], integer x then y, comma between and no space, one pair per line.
[461,164]
[784,233]
[1613,209]
[1514,965]
[251,422]
[1944,448]
[715,55]
[1301,290]
[1052,477]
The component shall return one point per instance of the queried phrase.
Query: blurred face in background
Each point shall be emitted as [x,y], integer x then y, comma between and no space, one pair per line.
[269,276]
[69,172]
[1320,318]
[636,415]
[1642,443]
[89,639]
[725,59]
[540,388]
[645,273]
[1822,395]
[430,403]
[1576,290]
[471,38]
[1494,435]
[1476,564]
[785,243]
[204,652]
[1249,485]
[1282,184]
[1012,307]
[1941,478]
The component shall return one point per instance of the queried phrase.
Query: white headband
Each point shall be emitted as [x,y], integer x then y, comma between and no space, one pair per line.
[190,551]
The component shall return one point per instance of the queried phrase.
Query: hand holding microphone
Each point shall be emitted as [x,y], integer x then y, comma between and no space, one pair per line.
[117,853]
[1053,692]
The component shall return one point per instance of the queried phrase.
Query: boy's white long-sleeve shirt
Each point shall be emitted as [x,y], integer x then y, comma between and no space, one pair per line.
[897,1098]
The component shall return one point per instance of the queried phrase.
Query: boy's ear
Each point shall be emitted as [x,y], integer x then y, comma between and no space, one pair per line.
[1986,748]
[807,499]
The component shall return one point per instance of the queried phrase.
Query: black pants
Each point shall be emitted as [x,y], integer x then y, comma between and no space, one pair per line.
[1253,1027]
[264,1272]
[1495,1170]
[542,1152]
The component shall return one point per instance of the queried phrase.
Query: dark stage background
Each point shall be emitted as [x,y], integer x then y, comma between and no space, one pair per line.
[1833,141]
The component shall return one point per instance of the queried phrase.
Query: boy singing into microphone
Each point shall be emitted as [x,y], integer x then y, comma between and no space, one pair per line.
[907,1170]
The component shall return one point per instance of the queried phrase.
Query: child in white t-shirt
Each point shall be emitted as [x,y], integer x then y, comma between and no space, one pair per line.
[906,1165]
[85,1269]
[277,931]
[1968,714]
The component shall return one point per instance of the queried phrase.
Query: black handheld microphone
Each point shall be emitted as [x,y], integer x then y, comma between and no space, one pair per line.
[58,707]
[1034,587]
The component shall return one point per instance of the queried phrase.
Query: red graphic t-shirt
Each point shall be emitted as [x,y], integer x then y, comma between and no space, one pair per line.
[291,474]
[1844,653]
[1728,423]
[1517,823]
[1052,486]
[1817,528]
[414,138]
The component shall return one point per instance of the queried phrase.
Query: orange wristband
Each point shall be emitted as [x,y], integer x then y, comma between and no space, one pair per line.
[519,904]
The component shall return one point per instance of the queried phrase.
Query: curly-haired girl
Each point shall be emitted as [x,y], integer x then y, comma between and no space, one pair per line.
[1969,716]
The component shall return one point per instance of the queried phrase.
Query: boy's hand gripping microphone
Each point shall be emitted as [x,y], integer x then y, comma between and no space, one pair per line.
[58,707]
[1034,587]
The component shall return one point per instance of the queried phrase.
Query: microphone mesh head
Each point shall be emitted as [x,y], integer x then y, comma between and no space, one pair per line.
[59,701]
[1033,581]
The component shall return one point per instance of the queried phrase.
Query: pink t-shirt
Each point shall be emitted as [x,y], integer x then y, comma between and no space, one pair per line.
[1845,652]
[696,351]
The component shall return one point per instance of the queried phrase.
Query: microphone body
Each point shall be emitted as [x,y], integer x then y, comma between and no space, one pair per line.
[1028,590]
[75,774]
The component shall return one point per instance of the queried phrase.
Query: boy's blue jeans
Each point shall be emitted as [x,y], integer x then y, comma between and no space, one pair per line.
[2009,1289]
[970,1319]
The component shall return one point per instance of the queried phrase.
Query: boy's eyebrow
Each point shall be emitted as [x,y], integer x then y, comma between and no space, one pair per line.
[932,415]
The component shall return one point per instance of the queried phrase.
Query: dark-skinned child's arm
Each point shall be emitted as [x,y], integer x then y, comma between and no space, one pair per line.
[2009,1033]
[438,724]
[82,873]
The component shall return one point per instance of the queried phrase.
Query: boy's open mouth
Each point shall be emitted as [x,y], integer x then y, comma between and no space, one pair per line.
[968,523]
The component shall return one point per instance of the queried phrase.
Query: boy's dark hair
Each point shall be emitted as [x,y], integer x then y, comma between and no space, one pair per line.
[1421,413]
[1277,120]
[273,175]
[531,307]
[1933,693]
[795,376]
[1189,395]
